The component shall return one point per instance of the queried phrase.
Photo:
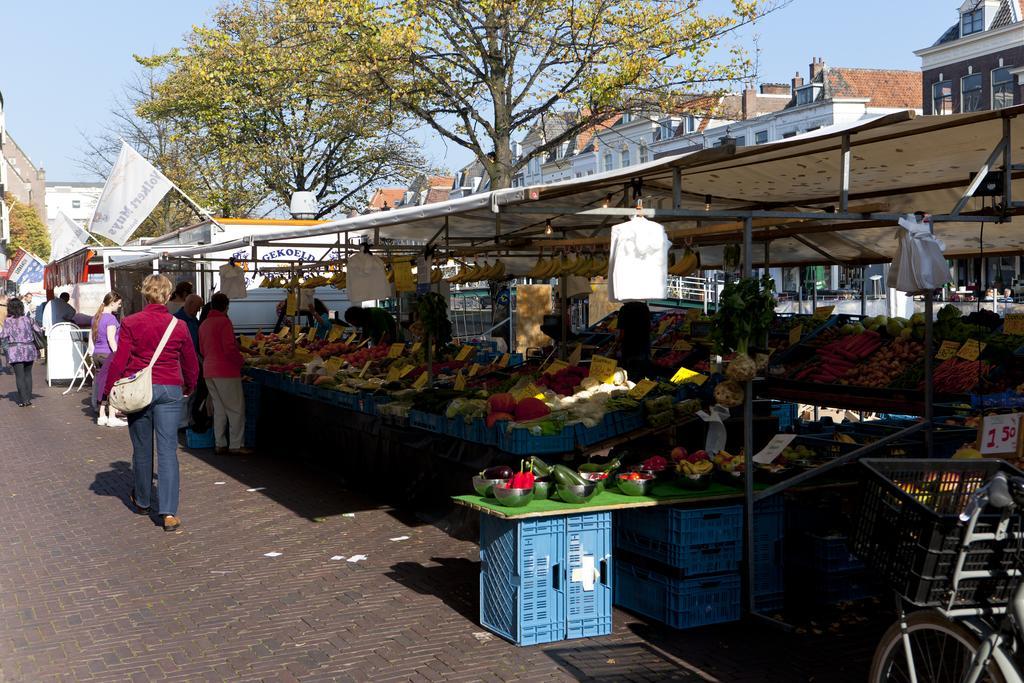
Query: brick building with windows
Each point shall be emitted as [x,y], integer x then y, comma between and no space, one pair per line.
[978,63]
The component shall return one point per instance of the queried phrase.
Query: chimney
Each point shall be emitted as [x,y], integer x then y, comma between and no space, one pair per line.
[774,89]
[797,81]
[816,67]
[749,103]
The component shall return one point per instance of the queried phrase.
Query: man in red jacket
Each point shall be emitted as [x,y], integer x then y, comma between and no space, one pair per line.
[222,368]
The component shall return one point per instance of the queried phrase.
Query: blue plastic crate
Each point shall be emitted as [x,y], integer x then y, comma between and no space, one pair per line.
[529,591]
[520,441]
[599,432]
[827,554]
[787,414]
[304,390]
[455,427]
[830,588]
[701,541]
[770,603]
[199,439]
[370,403]
[769,537]
[428,421]
[477,431]
[344,399]
[678,603]
[625,421]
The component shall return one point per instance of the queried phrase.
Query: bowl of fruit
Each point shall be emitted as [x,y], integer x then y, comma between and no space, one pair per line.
[656,465]
[693,470]
[635,483]
[729,468]
[485,482]
[518,491]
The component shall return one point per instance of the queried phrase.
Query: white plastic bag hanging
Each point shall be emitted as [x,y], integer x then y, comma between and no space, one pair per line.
[919,264]
[715,440]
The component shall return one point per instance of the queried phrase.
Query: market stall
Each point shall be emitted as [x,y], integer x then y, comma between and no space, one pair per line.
[829,197]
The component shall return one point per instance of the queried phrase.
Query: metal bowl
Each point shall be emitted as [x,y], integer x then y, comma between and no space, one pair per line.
[636,487]
[594,476]
[542,489]
[577,494]
[513,498]
[485,487]
[696,482]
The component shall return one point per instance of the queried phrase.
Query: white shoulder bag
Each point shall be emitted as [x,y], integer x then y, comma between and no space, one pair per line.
[134,393]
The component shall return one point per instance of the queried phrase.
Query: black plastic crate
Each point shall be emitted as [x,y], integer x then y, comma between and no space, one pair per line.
[909,532]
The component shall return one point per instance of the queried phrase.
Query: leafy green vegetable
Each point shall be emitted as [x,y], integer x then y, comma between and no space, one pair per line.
[746,309]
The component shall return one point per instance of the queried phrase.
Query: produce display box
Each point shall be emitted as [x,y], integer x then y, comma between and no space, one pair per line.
[769,552]
[345,400]
[519,441]
[199,439]
[786,413]
[677,603]
[546,580]
[701,541]
[586,436]
[625,421]
[370,402]
[437,424]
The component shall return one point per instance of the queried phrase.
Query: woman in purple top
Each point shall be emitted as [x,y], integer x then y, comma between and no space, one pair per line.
[105,327]
[17,341]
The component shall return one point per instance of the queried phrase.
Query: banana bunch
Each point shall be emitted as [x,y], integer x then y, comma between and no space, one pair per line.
[700,467]
[478,273]
[436,275]
[339,280]
[315,281]
[845,438]
[687,265]
[587,266]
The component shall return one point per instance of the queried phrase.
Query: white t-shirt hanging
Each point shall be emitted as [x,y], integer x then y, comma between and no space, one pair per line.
[638,264]
[232,281]
[367,278]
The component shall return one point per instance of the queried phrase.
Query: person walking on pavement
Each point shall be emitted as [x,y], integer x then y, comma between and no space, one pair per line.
[174,376]
[104,338]
[17,337]
[222,368]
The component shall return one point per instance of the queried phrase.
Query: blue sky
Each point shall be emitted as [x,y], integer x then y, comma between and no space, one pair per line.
[65,61]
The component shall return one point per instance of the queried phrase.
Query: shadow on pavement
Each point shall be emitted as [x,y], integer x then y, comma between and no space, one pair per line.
[590,660]
[117,482]
[453,580]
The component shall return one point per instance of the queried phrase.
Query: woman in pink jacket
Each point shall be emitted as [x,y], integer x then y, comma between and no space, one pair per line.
[222,368]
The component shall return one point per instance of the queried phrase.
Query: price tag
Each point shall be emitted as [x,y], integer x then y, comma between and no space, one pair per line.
[291,306]
[576,355]
[352,338]
[971,349]
[642,388]
[334,334]
[682,345]
[415,348]
[602,368]
[1013,323]
[465,352]
[394,374]
[473,369]
[460,381]
[245,342]
[823,311]
[555,367]
[795,334]
[999,434]
[395,350]
[421,381]
[311,335]
[687,376]
[296,331]
[503,361]
[947,350]
[366,367]
[333,364]
[774,448]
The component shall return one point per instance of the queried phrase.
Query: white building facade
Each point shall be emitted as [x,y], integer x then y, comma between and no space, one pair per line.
[5,227]
[75,200]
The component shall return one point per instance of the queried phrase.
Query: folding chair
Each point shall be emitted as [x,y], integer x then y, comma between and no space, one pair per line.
[85,367]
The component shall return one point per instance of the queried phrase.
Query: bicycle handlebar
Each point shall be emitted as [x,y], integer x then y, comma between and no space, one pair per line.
[1000,492]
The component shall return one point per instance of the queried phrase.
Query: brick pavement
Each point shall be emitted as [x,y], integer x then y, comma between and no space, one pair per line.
[91,592]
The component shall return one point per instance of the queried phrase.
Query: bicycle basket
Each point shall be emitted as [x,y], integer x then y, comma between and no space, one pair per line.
[907,530]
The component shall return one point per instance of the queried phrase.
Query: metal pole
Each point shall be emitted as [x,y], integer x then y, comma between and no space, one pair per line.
[929,365]
[863,292]
[748,439]
[562,313]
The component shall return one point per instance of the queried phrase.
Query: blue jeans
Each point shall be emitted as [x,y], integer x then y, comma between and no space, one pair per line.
[160,421]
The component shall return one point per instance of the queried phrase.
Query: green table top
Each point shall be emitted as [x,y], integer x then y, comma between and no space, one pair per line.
[663,493]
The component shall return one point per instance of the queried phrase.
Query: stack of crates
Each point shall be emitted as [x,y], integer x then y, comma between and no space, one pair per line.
[681,566]
[821,562]
[546,579]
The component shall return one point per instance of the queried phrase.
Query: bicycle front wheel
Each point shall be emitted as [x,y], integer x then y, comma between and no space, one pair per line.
[942,652]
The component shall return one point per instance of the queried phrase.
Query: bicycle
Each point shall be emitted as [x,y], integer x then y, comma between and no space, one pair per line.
[974,629]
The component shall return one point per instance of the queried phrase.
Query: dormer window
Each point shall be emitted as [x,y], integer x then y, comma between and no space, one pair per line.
[806,94]
[972,21]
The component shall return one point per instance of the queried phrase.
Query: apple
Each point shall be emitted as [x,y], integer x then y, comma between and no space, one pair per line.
[679,454]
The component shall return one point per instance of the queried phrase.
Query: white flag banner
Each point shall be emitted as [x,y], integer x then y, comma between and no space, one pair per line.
[133,189]
[66,237]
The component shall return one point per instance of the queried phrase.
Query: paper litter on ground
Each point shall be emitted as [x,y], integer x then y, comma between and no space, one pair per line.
[272,553]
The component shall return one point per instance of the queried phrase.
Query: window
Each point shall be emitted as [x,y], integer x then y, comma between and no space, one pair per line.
[942,97]
[972,22]
[76,204]
[741,140]
[625,157]
[609,162]
[970,93]
[1002,88]
[805,95]
[664,131]
[643,153]
[789,134]
[760,137]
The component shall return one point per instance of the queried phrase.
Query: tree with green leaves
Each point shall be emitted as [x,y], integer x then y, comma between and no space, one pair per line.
[248,91]
[28,231]
[479,72]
